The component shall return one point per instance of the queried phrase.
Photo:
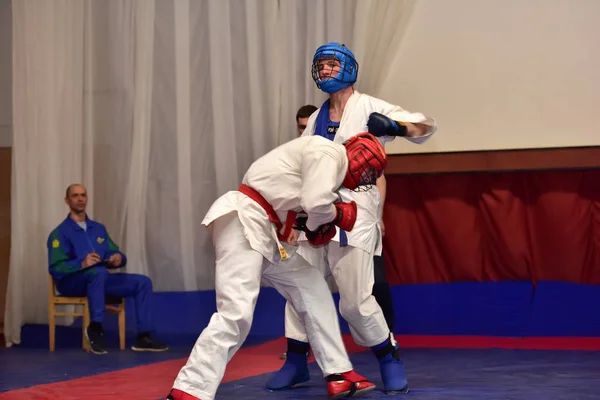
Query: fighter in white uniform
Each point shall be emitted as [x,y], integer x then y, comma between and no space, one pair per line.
[350,255]
[250,227]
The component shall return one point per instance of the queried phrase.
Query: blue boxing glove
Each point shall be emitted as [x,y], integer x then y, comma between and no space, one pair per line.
[380,125]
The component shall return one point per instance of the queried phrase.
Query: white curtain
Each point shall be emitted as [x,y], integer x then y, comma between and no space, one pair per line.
[379,29]
[48,144]
[159,107]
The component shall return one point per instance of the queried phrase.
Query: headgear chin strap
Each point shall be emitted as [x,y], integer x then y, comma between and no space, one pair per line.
[366,160]
[348,67]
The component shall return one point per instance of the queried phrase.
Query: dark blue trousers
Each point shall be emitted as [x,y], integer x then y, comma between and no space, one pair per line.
[382,291]
[97,282]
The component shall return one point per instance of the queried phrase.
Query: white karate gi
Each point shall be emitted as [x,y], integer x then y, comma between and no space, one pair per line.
[352,265]
[303,174]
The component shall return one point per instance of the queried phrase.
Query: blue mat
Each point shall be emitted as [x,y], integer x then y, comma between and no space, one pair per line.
[459,374]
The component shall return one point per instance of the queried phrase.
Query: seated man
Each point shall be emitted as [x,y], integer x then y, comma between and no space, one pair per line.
[80,253]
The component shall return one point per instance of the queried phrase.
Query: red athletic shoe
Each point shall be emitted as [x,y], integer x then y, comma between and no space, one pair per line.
[351,384]
[177,394]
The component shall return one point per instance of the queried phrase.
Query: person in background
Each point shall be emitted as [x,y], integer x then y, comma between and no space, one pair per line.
[80,255]
[302,117]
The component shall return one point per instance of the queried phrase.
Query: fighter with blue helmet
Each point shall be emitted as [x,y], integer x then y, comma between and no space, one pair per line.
[349,256]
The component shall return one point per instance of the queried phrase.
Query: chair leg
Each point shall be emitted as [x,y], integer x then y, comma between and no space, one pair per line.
[51,327]
[86,322]
[122,329]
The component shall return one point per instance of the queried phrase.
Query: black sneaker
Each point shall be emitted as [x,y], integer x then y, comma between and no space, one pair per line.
[145,342]
[95,340]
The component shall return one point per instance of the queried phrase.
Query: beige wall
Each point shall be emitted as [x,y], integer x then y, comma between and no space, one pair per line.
[5,73]
[508,74]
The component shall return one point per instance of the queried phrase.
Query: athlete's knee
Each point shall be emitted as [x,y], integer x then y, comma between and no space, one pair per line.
[245,311]
[239,313]
[350,309]
[243,322]
[298,307]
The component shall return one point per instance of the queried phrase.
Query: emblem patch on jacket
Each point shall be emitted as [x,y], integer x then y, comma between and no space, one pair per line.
[100,240]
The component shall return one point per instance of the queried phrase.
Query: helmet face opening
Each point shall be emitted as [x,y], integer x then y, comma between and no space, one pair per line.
[327,68]
[334,67]
[368,176]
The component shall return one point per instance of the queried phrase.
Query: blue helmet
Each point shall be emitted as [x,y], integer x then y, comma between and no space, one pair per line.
[348,67]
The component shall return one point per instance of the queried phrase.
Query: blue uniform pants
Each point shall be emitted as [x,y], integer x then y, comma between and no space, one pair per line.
[97,282]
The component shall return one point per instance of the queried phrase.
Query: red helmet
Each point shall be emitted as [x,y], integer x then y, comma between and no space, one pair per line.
[366,160]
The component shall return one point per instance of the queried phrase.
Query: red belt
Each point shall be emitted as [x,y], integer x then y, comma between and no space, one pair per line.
[273,217]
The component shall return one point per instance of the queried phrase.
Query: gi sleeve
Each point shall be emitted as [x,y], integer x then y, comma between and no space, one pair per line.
[324,166]
[397,113]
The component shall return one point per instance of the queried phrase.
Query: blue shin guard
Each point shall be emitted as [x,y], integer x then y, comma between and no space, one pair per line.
[295,368]
[391,367]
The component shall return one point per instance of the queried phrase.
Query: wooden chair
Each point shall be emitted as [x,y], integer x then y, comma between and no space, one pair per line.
[114,305]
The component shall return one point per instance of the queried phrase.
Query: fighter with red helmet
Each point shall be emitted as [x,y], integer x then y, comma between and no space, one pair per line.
[294,186]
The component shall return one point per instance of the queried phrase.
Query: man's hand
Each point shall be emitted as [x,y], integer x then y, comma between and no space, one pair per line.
[115,260]
[292,239]
[90,260]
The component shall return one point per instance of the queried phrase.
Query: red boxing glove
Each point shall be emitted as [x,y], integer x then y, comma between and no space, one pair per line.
[346,215]
[321,236]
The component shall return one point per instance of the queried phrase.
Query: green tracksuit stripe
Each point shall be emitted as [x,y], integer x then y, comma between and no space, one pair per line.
[111,245]
[58,257]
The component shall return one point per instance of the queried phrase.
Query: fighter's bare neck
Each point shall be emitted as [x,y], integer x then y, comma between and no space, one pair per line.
[77,216]
[337,103]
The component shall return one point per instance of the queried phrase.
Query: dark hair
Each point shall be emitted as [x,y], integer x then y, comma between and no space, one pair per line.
[305,111]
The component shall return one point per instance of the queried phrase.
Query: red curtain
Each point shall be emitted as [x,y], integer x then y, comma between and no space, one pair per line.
[542,225]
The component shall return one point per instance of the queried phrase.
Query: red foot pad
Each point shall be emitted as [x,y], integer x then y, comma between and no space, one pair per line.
[177,394]
[352,385]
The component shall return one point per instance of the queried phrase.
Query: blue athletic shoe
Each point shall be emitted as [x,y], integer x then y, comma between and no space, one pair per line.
[295,368]
[391,368]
